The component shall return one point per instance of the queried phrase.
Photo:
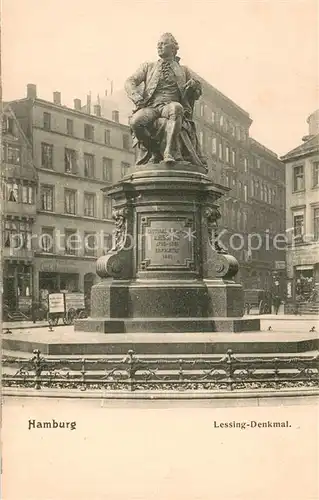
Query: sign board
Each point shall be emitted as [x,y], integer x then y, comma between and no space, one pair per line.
[167,243]
[56,303]
[74,301]
[24,303]
[280,264]
[289,289]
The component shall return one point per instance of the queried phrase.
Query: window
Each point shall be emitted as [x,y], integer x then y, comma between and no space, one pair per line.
[70,241]
[232,129]
[315,174]
[46,155]
[261,192]
[201,139]
[13,191]
[227,154]
[126,141]
[17,234]
[125,167]
[202,110]
[88,132]
[69,126]
[266,194]
[107,243]
[107,137]
[240,189]
[47,198]
[27,194]
[246,164]
[233,157]
[299,225]
[214,145]
[47,121]
[257,162]
[7,125]
[90,244]
[246,192]
[220,150]
[88,165]
[213,116]
[245,219]
[107,167]
[227,180]
[14,155]
[47,240]
[70,161]
[221,121]
[70,201]
[316,224]
[252,186]
[107,207]
[257,189]
[89,204]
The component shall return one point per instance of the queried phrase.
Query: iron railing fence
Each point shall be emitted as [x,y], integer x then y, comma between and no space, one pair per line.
[167,373]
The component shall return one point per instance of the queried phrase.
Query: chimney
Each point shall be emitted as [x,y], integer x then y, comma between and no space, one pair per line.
[88,104]
[313,123]
[77,104]
[31,91]
[57,98]
[115,116]
[97,109]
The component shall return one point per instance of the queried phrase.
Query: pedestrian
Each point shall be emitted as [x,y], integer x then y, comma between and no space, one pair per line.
[276,303]
[297,303]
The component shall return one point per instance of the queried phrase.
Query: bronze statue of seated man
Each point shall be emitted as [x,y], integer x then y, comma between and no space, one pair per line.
[164,93]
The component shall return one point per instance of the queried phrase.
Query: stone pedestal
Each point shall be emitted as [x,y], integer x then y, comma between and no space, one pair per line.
[164,272]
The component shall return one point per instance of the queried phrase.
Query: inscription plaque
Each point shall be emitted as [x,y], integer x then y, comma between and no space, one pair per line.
[168,243]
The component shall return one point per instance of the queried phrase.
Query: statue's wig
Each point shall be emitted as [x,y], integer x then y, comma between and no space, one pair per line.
[172,41]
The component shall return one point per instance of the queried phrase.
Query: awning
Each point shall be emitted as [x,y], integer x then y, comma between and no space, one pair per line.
[304,268]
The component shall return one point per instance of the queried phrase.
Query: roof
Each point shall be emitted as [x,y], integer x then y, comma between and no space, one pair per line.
[62,108]
[306,148]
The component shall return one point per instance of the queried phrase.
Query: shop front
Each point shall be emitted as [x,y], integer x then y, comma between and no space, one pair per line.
[63,275]
[305,282]
[17,286]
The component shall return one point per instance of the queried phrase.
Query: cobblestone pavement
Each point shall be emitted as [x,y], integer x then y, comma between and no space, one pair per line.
[265,318]
[159,450]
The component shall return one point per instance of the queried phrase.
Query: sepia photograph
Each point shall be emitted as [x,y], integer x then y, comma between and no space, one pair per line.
[159,250]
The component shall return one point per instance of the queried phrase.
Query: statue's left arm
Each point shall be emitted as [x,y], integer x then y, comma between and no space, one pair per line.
[193,84]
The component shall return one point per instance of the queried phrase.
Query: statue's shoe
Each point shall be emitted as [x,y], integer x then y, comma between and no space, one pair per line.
[154,159]
[169,159]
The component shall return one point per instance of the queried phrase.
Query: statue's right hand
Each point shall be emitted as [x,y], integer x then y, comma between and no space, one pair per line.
[137,99]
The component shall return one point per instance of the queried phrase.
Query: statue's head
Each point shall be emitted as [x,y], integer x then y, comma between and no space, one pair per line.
[167,46]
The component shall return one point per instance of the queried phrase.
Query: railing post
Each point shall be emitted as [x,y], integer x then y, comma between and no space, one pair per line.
[37,361]
[180,373]
[83,374]
[276,372]
[130,359]
[230,369]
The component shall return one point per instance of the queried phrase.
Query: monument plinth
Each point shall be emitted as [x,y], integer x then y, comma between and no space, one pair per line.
[165,273]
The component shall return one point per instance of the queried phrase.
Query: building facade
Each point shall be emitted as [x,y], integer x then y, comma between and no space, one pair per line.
[253,212]
[302,224]
[18,203]
[76,155]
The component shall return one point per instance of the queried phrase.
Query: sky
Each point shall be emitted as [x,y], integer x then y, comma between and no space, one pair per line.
[261,54]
